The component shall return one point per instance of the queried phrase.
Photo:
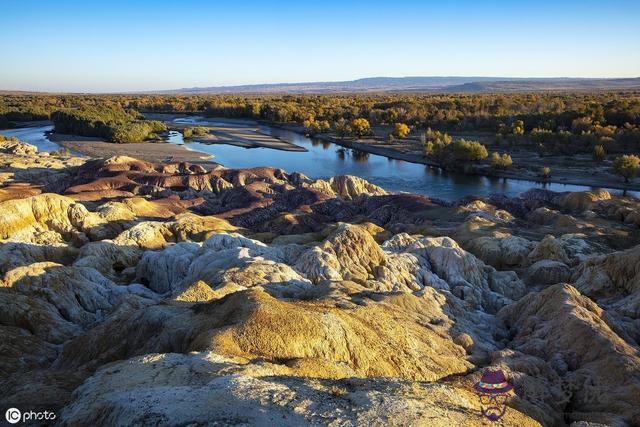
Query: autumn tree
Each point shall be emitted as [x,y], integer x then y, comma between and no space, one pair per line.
[401,130]
[342,128]
[598,153]
[503,161]
[360,127]
[626,166]
[435,141]
[314,127]
[545,172]
[582,125]
[517,128]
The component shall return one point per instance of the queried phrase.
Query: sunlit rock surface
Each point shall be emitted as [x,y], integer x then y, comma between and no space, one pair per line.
[134,293]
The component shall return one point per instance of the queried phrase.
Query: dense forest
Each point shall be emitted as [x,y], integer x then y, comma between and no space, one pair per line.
[564,123]
[110,122]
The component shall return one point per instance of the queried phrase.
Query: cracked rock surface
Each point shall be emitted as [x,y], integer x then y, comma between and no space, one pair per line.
[134,293]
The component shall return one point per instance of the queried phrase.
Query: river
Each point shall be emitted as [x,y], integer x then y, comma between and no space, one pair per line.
[324,159]
[36,135]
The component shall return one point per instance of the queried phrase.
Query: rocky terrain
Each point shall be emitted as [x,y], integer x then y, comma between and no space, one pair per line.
[134,293]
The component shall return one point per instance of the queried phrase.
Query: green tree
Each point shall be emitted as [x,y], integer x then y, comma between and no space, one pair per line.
[190,132]
[110,122]
[469,151]
[200,131]
[626,166]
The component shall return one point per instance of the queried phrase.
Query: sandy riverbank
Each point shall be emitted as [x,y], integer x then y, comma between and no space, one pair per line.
[149,151]
[238,132]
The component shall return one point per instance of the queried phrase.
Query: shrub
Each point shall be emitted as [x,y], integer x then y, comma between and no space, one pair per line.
[188,132]
[400,130]
[626,166]
[515,129]
[156,126]
[131,132]
[429,148]
[501,161]
[541,136]
[582,125]
[200,131]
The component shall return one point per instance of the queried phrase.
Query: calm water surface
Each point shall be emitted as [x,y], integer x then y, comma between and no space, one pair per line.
[324,159]
[33,135]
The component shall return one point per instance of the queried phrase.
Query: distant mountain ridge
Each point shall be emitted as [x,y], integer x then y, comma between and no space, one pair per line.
[427,84]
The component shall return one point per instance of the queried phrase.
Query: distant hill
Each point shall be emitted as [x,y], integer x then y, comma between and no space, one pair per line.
[427,84]
[552,84]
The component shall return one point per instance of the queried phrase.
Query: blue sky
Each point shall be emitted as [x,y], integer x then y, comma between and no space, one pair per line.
[143,45]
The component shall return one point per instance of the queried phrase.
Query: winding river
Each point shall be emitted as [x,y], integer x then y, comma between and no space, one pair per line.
[36,135]
[324,159]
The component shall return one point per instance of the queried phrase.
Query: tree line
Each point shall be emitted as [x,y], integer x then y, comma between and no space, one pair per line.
[568,123]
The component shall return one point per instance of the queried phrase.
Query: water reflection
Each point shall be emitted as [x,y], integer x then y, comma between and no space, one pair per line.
[324,159]
[359,156]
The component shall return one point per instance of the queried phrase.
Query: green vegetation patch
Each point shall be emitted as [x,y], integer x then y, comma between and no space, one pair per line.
[190,132]
[113,123]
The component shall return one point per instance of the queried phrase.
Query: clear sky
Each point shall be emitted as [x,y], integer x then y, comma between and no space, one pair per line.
[130,45]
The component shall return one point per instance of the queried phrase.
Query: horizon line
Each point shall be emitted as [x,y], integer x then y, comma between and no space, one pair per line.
[284,83]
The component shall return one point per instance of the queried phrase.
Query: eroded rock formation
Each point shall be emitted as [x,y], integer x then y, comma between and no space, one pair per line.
[173,294]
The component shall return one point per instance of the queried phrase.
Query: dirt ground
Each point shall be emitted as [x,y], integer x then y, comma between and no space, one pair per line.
[149,151]
[241,133]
